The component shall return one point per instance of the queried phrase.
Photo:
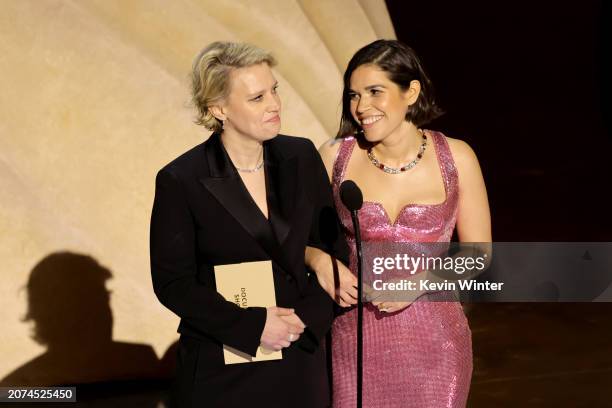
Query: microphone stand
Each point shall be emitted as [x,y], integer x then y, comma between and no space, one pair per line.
[359,309]
[352,198]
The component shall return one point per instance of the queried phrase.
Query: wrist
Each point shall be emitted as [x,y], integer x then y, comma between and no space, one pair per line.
[316,259]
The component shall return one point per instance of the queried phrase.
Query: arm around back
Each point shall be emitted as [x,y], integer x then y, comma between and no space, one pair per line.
[326,235]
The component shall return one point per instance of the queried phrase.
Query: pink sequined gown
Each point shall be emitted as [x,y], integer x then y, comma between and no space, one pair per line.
[422,355]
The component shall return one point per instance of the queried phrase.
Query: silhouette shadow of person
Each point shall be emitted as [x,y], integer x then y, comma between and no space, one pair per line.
[69,305]
[167,363]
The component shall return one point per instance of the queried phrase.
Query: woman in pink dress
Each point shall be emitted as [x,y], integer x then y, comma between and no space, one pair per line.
[418,185]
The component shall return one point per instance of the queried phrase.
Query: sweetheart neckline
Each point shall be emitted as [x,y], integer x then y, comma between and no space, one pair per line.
[404,207]
[437,146]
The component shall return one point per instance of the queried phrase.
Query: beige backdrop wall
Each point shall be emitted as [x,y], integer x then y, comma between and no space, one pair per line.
[95,100]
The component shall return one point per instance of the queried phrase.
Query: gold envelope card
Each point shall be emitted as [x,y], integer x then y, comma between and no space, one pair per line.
[247,284]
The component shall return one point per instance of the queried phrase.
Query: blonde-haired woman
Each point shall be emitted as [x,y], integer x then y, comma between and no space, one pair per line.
[246,194]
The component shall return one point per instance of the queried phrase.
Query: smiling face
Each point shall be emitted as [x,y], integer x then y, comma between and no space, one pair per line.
[377,104]
[252,108]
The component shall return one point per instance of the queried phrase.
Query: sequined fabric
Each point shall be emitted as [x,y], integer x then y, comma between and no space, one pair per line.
[418,357]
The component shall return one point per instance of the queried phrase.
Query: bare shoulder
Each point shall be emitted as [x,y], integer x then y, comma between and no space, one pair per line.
[330,147]
[463,154]
[328,152]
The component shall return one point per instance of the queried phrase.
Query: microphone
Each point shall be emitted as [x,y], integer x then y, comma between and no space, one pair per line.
[351,195]
[352,198]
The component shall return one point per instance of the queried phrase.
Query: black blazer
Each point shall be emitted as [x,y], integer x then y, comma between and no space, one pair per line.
[203,216]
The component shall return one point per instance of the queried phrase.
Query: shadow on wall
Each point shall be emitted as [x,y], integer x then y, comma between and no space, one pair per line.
[69,305]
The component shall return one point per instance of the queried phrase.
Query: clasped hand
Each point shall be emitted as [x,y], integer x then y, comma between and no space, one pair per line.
[282,328]
[384,302]
[394,301]
[341,285]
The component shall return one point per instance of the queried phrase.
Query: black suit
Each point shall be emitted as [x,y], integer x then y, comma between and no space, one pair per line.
[203,216]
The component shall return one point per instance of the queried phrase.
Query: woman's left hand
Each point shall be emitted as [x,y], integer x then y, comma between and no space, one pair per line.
[391,307]
[296,324]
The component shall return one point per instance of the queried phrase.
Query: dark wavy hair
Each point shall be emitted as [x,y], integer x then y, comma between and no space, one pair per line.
[402,66]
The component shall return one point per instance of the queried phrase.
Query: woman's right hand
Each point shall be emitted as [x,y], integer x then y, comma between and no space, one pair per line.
[338,281]
[277,332]
[335,278]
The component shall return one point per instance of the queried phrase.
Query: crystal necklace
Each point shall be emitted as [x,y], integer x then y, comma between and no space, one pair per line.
[394,170]
[253,170]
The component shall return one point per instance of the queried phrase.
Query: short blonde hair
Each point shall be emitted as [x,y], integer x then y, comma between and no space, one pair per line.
[210,75]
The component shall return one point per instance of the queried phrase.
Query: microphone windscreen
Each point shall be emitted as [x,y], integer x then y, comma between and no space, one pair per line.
[351,195]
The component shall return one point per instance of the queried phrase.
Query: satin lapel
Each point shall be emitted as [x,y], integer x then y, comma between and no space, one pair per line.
[281,177]
[226,186]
